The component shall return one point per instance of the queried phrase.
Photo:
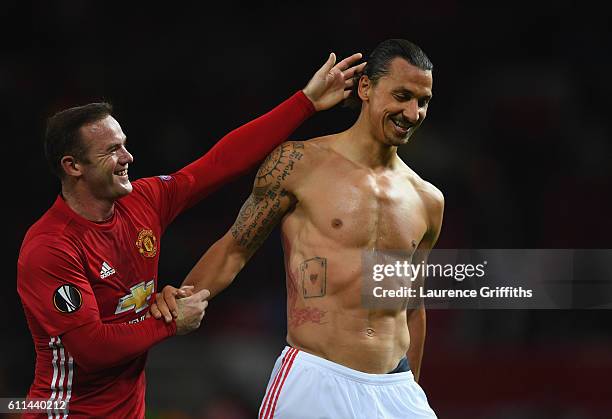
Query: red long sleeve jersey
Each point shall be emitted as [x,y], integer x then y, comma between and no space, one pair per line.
[74,273]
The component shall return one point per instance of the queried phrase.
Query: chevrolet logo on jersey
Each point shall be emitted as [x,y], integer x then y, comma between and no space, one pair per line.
[137,299]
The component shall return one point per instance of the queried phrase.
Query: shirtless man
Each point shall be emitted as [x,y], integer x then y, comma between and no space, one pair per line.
[336,197]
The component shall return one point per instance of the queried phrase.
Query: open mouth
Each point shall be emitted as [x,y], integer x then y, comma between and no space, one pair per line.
[401,124]
[123,172]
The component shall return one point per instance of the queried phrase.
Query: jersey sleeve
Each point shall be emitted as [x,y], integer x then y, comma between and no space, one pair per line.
[97,346]
[53,286]
[168,196]
[54,289]
[235,154]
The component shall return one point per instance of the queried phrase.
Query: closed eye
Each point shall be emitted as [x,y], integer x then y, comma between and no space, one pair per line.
[402,98]
[116,146]
[424,101]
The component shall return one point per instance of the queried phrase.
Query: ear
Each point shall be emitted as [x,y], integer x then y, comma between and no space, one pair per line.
[363,89]
[71,166]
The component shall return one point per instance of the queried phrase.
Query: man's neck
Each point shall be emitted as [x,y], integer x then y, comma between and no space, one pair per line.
[359,145]
[86,205]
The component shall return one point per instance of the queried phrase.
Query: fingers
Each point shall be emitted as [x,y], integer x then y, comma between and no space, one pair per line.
[202,295]
[354,70]
[193,309]
[332,58]
[155,311]
[185,291]
[170,294]
[348,61]
[334,74]
[329,64]
[202,312]
[162,307]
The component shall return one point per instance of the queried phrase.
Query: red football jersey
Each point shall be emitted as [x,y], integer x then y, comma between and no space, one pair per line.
[72,271]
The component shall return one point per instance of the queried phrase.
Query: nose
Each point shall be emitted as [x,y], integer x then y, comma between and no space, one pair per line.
[411,111]
[126,157]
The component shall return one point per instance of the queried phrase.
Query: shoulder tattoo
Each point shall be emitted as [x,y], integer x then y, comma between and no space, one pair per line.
[264,207]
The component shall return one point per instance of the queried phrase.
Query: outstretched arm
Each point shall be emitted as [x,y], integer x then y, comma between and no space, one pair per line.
[416,317]
[271,198]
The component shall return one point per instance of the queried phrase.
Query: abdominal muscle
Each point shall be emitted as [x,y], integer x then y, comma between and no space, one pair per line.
[330,321]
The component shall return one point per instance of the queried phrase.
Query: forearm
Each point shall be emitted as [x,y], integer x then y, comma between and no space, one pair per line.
[96,345]
[218,267]
[241,149]
[416,327]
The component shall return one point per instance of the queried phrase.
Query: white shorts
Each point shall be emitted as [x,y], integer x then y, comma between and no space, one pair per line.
[305,386]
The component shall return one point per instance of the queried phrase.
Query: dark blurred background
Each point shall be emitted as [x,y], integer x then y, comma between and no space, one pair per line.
[517,138]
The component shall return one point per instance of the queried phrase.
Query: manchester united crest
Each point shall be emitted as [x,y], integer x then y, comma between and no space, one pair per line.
[147,243]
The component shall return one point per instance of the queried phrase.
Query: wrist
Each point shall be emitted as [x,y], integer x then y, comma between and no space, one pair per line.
[307,95]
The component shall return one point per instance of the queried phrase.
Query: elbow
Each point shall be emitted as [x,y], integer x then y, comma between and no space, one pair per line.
[89,349]
[86,363]
[233,264]
[218,267]
[91,361]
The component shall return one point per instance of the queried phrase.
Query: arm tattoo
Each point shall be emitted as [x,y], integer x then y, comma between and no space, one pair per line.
[314,277]
[269,199]
[278,163]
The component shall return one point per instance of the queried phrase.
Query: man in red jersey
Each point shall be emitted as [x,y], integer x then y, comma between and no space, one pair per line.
[87,268]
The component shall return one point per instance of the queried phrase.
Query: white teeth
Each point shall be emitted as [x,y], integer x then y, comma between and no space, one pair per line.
[401,125]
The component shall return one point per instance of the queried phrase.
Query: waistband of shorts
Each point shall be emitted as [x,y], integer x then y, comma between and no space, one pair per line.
[349,373]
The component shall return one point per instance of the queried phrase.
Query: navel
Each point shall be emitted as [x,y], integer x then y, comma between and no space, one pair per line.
[336,223]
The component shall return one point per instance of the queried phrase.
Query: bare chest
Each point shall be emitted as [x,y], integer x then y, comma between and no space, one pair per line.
[362,210]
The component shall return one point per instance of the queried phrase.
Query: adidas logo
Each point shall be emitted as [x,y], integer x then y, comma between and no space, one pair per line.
[106,270]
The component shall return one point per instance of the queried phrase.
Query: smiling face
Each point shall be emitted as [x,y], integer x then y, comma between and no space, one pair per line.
[104,172]
[396,104]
